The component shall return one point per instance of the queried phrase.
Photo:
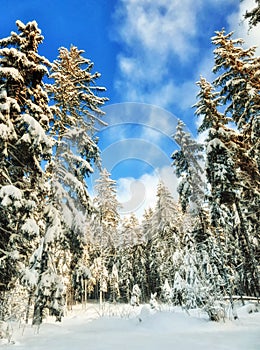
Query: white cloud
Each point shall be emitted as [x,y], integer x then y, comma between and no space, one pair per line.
[157,36]
[240,26]
[159,25]
[154,33]
[136,195]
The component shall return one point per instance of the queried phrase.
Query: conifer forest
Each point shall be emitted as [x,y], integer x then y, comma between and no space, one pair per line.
[60,246]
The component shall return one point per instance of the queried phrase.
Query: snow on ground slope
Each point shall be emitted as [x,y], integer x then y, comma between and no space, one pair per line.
[120,329]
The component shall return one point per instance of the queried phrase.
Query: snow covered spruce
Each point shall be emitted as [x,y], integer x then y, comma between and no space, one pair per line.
[60,247]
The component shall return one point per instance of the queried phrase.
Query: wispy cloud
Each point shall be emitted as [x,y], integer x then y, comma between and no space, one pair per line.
[161,56]
[153,32]
[159,25]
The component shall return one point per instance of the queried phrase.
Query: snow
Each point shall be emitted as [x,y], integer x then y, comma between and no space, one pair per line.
[54,229]
[10,72]
[124,327]
[4,131]
[36,132]
[216,142]
[30,277]
[30,226]
[8,194]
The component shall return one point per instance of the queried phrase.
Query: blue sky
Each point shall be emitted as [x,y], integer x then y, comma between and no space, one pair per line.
[150,53]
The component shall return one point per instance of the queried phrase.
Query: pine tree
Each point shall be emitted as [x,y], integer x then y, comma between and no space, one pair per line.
[24,121]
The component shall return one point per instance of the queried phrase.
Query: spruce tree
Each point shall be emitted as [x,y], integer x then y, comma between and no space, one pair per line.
[139,268]
[237,80]
[139,257]
[106,220]
[167,220]
[126,257]
[187,163]
[114,284]
[75,110]
[237,70]
[107,207]
[147,232]
[24,121]
[222,177]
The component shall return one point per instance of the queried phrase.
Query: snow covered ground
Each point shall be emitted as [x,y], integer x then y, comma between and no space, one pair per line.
[122,327]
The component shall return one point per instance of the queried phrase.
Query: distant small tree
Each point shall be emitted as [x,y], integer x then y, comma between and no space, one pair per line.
[135,297]
[167,293]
